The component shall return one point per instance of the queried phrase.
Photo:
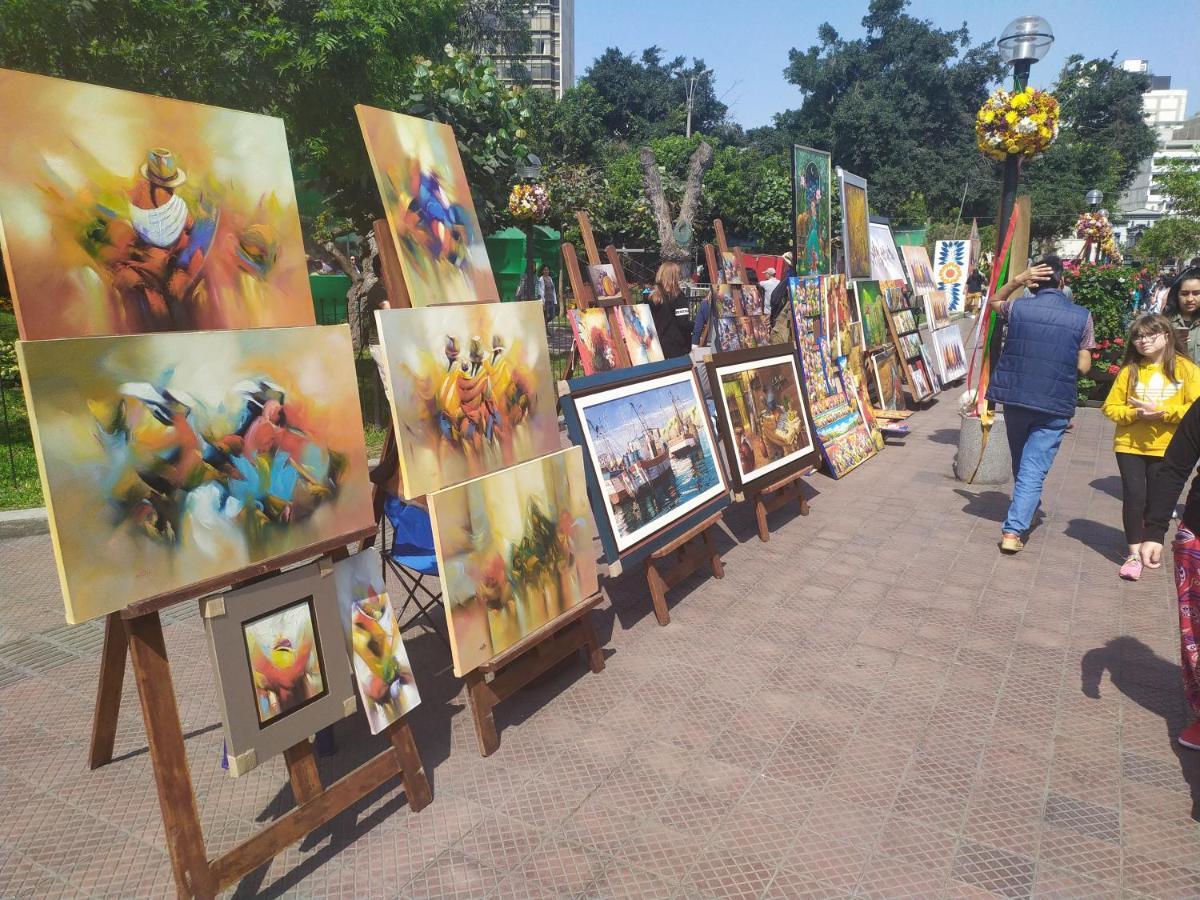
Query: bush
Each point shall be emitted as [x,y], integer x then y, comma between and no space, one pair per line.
[1106,291]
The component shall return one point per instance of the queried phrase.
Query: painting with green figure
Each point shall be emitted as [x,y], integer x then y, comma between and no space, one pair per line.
[810,184]
[871,314]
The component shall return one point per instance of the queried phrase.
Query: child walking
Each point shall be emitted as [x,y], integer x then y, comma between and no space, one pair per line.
[1149,397]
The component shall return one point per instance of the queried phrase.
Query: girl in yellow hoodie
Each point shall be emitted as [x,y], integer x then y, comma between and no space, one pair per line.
[1149,396]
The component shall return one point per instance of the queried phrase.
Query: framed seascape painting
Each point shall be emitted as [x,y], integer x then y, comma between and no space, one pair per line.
[636,325]
[429,209]
[514,551]
[651,453]
[871,314]
[856,240]
[594,339]
[950,262]
[889,380]
[811,196]
[937,310]
[171,462]
[949,353]
[470,390]
[920,272]
[123,213]
[276,648]
[604,281]
[386,685]
[885,261]
[762,414]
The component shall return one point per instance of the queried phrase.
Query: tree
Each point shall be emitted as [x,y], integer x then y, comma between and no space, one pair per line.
[570,130]
[494,27]
[672,246]
[1176,236]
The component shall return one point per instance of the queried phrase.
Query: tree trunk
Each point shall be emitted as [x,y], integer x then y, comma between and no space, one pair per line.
[702,159]
[363,284]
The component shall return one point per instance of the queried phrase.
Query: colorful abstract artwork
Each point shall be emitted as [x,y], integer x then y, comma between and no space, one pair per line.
[910,345]
[653,452]
[470,390]
[730,273]
[754,301]
[604,281]
[172,459]
[920,376]
[950,262]
[949,353]
[636,325]
[594,339]
[856,239]
[885,261]
[806,295]
[742,333]
[728,336]
[762,415]
[726,305]
[514,551]
[894,294]
[386,685]
[872,315]
[937,309]
[812,195]
[905,321]
[285,659]
[124,213]
[920,272]
[841,330]
[429,208]
[889,380]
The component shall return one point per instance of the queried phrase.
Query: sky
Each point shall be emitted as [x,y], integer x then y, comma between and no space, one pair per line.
[746,44]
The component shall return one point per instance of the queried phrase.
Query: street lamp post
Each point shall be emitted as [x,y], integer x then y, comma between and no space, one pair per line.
[691,96]
[529,171]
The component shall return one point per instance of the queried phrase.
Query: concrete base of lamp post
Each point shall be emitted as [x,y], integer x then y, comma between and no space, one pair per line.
[995,466]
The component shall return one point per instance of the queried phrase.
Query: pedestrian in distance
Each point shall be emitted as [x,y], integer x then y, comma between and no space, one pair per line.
[1047,347]
[768,284]
[1183,309]
[671,311]
[1148,399]
[547,293]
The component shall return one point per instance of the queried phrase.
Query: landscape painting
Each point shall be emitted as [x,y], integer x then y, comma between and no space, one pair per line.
[871,314]
[856,241]
[429,209]
[514,550]
[885,261]
[652,449]
[123,213]
[173,459]
[812,195]
[920,272]
[604,281]
[636,325]
[470,390]
[386,685]
[594,340]
[763,416]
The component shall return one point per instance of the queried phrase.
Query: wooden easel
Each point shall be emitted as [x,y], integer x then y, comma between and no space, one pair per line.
[905,359]
[713,256]
[502,676]
[136,632]
[691,550]
[777,494]
[585,297]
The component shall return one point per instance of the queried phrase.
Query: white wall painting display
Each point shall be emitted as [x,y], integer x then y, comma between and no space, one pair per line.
[949,354]
[885,261]
[951,266]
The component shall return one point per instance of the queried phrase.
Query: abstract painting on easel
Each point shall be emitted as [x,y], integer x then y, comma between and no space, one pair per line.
[285,660]
[636,324]
[429,208]
[125,213]
[172,459]
[594,339]
[514,551]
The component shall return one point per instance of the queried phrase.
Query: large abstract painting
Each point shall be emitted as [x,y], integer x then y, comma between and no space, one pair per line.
[811,188]
[885,261]
[173,459]
[471,390]
[949,353]
[856,239]
[122,213]
[429,208]
[515,551]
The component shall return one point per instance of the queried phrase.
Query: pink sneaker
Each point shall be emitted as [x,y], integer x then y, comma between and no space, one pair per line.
[1131,569]
[1190,736]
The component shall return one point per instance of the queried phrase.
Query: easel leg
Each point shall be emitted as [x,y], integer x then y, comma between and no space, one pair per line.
[164,733]
[760,514]
[481,712]
[302,770]
[412,772]
[595,656]
[108,691]
[658,593]
[718,568]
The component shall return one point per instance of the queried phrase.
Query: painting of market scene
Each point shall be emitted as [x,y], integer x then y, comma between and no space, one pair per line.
[764,415]
[653,453]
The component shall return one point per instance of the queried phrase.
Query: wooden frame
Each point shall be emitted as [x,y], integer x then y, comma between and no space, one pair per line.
[906,360]
[712,257]
[847,178]
[581,286]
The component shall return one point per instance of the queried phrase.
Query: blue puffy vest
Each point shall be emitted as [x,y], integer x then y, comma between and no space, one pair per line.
[1037,368]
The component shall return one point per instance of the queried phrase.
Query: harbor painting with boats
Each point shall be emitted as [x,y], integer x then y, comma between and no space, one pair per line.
[653,453]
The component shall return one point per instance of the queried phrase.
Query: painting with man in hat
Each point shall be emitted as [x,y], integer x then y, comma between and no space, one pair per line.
[122,213]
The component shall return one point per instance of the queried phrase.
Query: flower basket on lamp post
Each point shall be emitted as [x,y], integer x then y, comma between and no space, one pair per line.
[528,203]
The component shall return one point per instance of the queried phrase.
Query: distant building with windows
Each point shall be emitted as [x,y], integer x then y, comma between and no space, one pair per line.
[550,64]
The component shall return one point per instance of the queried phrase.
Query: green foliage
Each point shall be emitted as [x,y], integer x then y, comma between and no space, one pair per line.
[1106,292]
[1177,236]
[1180,183]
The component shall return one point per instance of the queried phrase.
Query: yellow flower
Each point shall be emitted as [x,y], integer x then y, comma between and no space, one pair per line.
[1011,117]
[1019,101]
[1012,147]
[987,116]
[1038,117]
[1045,132]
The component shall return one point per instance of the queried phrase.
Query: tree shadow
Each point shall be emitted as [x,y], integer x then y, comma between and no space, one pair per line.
[1154,684]
[1109,484]
[1106,540]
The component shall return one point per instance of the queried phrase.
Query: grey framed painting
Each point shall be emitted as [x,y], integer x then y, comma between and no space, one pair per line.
[279,656]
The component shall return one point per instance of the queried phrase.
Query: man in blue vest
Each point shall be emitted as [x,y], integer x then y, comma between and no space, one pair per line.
[1047,347]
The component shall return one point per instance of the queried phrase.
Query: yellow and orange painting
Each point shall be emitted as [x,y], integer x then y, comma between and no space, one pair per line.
[123,213]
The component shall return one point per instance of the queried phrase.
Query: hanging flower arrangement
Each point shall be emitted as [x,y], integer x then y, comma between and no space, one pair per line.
[1021,123]
[1093,227]
[529,202]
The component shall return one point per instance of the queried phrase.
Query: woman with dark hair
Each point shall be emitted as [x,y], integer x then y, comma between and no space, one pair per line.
[1183,309]
[671,312]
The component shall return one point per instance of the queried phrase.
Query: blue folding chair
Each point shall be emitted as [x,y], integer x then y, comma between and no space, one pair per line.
[412,558]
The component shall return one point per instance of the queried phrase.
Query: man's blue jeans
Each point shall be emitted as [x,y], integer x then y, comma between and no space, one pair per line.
[1033,439]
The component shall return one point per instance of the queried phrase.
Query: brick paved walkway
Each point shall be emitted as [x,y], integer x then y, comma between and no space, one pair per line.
[873,703]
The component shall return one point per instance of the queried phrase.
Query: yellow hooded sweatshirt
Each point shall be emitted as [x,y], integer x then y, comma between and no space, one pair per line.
[1150,437]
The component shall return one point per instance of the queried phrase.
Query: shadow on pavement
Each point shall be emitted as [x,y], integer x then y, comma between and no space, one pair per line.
[1109,484]
[1106,540]
[1154,684]
[944,436]
[990,505]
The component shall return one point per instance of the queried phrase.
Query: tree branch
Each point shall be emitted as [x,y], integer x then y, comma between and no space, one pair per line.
[652,183]
[702,159]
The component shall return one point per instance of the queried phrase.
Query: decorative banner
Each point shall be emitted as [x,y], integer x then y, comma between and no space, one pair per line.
[885,261]
[125,213]
[950,261]
[811,196]
[856,241]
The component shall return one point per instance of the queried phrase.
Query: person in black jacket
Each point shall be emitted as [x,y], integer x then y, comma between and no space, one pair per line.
[1183,453]
[672,314]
